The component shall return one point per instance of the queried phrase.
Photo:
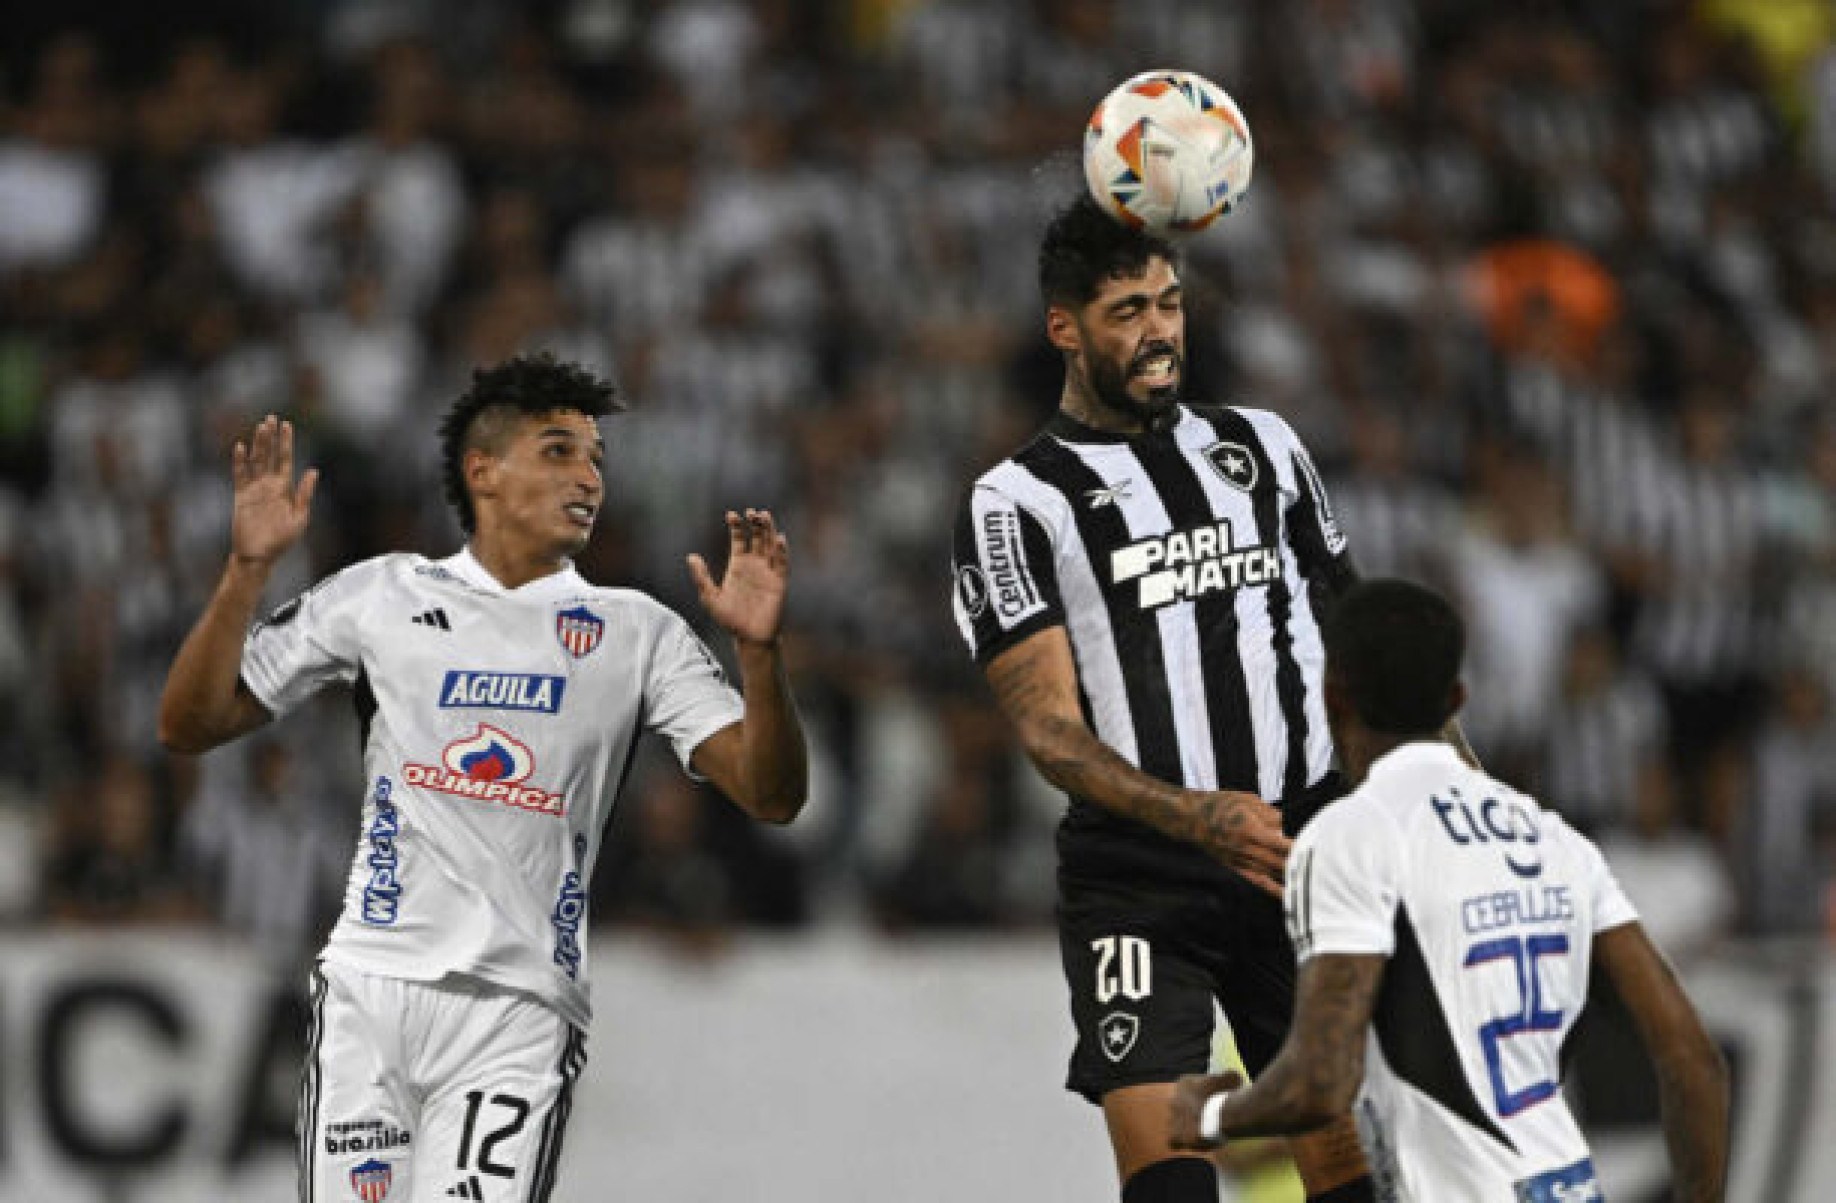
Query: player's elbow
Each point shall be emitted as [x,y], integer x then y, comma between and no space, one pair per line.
[778,809]
[1694,1064]
[180,735]
[1329,1100]
[1325,1096]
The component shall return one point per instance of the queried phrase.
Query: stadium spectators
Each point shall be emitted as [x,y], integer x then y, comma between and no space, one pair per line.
[801,236]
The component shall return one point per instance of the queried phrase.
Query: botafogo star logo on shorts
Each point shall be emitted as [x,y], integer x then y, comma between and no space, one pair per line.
[1118,1031]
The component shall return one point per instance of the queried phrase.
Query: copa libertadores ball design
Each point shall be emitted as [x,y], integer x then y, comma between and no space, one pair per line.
[1168,151]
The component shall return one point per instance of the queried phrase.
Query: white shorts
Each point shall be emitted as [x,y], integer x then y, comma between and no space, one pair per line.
[417,1092]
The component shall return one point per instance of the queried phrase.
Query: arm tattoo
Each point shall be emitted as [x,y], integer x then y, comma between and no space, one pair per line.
[1038,691]
[1317,1073]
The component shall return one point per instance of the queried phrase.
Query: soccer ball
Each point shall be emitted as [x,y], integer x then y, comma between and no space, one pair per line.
[1167,151]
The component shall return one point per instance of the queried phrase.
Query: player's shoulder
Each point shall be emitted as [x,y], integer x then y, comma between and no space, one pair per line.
[1011,484]
[369,576]
[631,608]
[1267,425]
[1360,819]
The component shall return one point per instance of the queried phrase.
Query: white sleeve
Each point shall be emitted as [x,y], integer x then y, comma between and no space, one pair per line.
[1610,906]
[310,642]
[686,695]
[1342,885]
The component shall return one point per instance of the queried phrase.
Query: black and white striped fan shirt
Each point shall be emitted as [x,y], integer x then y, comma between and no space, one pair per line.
[1181,564]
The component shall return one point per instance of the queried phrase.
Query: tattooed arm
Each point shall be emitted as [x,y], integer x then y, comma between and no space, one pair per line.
[1035,682]
[1314,1078]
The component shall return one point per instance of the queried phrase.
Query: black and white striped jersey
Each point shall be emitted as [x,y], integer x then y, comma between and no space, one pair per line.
[1182,565]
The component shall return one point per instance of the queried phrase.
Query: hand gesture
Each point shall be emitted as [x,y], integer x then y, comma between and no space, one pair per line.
[271,508]
[1244,832]
[1189,1097]
[749,603]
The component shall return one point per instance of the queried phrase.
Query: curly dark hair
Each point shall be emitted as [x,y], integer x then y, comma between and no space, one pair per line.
[1084,246]
[1397,647]
[526,384]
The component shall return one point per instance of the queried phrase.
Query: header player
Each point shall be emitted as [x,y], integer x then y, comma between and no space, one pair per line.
[1458,921]
[500,696]
[1136,583]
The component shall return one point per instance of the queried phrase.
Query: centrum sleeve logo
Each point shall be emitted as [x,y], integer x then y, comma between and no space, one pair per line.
[488,765]
[1009,581]
[465,689]
[1186,564]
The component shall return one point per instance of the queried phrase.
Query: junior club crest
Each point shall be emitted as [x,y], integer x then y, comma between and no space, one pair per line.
[1234,463]
[1117,1033]
[371,1180]
[579,631]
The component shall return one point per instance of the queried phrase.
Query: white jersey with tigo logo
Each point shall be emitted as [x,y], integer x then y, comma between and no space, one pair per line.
[498,725]
[1486,906]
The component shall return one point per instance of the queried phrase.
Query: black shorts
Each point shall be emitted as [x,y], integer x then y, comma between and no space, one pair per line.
[1144,961]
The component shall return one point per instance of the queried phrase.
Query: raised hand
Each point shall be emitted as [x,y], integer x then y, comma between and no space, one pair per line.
[749,602]
[271,508]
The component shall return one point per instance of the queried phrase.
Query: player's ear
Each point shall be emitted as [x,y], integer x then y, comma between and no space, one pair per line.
[479,468]
[1062,329]
[1456,698]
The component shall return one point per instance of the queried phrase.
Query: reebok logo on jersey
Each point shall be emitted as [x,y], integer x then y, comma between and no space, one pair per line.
[487,766]
[1099,498]
[1187,564]
[464,689]
[435,617]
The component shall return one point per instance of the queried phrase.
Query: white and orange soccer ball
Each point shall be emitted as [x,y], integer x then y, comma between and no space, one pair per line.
[1168,152]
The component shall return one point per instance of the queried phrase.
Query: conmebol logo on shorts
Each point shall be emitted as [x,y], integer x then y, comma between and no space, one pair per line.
[488,766]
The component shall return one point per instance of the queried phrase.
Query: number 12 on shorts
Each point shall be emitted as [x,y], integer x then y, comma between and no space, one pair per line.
[1529,1017]
[487,1146]
[1125,966]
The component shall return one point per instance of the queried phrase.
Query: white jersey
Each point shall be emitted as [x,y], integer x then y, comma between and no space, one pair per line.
[1486,906]
[498,725]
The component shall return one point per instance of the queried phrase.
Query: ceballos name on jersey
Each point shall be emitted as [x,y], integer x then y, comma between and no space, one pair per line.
[465,689]
[1185,564]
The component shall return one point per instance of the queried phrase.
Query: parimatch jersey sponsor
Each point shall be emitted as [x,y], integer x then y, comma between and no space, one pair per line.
[494,745]
[1181,564]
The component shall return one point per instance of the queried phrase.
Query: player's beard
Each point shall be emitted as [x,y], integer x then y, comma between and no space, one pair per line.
[1109,386]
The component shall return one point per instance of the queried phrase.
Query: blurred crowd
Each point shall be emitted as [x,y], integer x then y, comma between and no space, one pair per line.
[1550,290]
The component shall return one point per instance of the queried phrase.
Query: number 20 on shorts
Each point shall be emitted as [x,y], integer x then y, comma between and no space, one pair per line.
[1125,966]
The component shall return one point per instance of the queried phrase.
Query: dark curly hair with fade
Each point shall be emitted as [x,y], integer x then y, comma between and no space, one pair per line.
[1084,246]
[523,385]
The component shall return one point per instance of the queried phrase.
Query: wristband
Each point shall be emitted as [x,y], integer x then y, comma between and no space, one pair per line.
[1211,1117]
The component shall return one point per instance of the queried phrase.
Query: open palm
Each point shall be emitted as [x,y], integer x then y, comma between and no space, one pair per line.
[271,508]
[749,601]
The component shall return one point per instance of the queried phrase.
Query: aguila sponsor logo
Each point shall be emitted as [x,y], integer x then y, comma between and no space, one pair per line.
[466,689]
[488,765]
